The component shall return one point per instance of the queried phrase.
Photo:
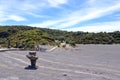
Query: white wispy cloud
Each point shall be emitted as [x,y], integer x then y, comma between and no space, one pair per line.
[73,12]
[8,11]
[37,15]
[6,16]
[86,14]
[90,14]
[12,17]
[99,27]
[16,18]
[18,9]
[80,16]
[46,24]
[56,3]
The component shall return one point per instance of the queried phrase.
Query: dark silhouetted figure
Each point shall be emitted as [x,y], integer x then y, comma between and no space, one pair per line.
[9,45]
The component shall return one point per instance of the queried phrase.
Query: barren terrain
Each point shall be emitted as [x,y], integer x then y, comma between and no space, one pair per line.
[86,62]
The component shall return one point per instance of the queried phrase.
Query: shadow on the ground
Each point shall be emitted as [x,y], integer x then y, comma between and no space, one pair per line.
[31,68]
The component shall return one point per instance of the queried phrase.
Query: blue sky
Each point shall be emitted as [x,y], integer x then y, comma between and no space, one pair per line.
[70,15]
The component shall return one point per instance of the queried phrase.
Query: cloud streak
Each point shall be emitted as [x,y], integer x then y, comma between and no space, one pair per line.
[78,17]
[93,14]
[16,18]
[61,14]
[99,27]
[56,3]
[17,9]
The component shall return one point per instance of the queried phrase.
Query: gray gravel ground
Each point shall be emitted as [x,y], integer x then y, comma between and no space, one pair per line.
[86,62]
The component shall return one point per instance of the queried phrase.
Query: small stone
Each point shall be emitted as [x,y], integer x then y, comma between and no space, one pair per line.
[64,74]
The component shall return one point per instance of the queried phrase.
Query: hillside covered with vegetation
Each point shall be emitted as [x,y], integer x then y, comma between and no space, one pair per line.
[29,37]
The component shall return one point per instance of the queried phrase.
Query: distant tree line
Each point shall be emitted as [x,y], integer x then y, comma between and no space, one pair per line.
[29,37]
